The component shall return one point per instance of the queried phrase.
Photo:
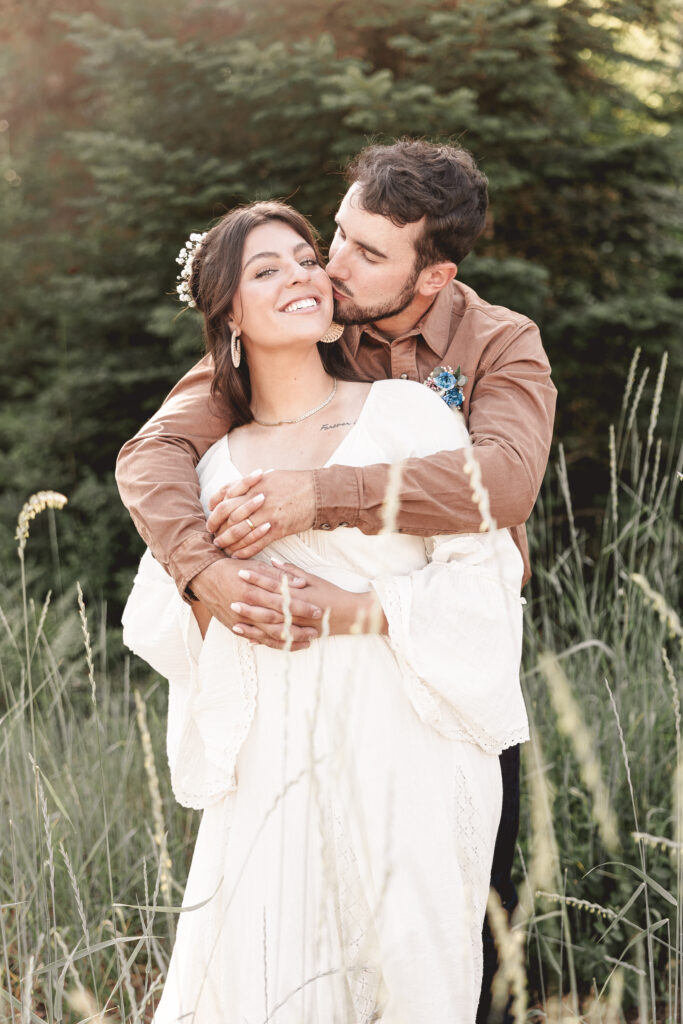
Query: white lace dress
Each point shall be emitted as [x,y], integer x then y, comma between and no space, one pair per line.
[351,791]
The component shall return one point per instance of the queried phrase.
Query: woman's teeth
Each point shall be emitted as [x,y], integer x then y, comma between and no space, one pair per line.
[300,304]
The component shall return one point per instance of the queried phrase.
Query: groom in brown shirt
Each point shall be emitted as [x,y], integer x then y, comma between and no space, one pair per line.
[412,213]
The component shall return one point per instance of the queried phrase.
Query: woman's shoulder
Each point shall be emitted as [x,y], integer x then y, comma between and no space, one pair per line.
[213,457]
[419,415]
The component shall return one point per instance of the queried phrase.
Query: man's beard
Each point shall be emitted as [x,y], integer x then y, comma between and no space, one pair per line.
[352,314]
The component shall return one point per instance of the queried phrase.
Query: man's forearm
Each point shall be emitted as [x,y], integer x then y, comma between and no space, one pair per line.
[435,493]
[167,513]
[510,421]
[157,478]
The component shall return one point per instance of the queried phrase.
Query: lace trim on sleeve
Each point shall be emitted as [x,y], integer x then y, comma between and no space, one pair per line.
[430,706]
[202,774]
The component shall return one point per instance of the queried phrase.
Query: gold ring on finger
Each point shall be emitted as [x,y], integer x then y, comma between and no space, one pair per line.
[251,525]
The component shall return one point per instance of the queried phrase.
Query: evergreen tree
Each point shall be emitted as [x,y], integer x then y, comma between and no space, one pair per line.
[164,123]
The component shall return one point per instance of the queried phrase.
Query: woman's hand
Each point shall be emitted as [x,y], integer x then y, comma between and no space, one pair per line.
[260,508]
[225,590]
[349,612]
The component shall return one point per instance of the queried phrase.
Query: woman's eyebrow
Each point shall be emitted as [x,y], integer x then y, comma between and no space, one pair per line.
[275,255]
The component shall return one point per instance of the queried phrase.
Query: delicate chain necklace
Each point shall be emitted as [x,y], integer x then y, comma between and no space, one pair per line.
[304,415]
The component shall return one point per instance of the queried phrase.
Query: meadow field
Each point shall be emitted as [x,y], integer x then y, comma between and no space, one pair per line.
[94,851]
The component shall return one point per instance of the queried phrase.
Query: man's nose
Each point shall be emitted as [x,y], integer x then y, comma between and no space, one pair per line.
[336,262]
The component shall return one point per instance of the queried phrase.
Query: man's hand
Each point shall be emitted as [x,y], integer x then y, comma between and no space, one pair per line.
[278,504]
[226,590]
[349,612]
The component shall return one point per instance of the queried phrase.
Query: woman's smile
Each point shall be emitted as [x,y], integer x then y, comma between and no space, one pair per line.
[307,305]
[281,276]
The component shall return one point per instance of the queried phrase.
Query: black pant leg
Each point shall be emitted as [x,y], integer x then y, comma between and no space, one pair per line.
[501,871]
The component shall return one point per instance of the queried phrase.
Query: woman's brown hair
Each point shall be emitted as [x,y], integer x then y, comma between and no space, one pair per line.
[215,278]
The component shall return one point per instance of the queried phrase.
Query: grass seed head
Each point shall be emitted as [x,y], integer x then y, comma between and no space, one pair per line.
[36,504]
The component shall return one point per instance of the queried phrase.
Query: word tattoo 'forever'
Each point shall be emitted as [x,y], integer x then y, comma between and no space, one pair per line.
[333,426]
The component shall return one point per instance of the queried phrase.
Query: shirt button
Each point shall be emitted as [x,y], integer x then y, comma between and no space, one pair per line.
[325,526]
[404,376]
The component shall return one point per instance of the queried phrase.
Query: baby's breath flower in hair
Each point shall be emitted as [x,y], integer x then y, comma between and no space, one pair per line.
[36,503]
[185,258]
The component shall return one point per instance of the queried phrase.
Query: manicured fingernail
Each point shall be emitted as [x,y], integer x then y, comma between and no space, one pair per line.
[255,472]
[316,613]
[265,527]
[276,561]
[216,543]
[244,574]
[238,629]
[259,497]
[236,606]
[298,581]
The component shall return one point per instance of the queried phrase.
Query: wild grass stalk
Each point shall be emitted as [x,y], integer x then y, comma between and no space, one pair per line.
[58,767]
[93,696]
[641,850]
[512,973]
[600,922]
[165,862]
[603,608]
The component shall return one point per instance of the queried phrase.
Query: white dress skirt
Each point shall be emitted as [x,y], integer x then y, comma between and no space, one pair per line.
[351,791]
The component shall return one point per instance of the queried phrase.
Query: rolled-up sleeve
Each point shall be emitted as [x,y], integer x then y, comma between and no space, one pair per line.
[509,416]
[157,478]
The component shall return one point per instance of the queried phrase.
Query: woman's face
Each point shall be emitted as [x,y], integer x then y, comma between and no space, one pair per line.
[284,294]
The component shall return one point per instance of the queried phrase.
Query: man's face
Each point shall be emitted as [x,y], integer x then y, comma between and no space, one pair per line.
[371,263]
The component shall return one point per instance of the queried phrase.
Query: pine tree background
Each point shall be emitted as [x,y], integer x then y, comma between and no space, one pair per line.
[127,126]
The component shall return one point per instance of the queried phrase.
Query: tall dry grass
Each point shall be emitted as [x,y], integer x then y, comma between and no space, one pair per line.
[94,851]
[602,652]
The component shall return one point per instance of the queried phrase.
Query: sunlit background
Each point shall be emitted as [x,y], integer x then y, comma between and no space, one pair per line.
[125,126]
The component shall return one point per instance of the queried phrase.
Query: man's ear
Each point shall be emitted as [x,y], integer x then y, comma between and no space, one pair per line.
[435,277]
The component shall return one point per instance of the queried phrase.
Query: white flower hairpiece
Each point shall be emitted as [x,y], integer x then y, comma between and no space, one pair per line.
[184,258]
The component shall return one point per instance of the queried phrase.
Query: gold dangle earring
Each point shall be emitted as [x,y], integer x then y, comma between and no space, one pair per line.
[235,348]
[332,334]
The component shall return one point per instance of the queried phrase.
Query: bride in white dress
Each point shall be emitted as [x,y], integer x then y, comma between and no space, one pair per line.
[351,788]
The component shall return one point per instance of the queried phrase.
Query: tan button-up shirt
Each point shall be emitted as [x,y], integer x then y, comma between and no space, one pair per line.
[509,405]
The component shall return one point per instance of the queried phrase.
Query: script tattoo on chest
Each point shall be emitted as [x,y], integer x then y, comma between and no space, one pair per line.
[333,426]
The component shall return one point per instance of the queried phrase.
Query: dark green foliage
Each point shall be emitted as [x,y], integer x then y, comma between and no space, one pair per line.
[166,116]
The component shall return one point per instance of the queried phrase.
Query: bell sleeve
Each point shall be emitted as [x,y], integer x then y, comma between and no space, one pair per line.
[160,628]
[455,627]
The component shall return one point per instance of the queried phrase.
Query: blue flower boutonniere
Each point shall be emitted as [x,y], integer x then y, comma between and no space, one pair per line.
[448,384]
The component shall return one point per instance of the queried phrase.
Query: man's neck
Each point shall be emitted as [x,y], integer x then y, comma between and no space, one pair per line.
[396,326]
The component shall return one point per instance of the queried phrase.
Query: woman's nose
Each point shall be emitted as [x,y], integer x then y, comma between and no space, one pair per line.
[298,272]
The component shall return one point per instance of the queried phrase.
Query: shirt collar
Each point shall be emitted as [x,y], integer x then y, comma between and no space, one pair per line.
[434,326]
